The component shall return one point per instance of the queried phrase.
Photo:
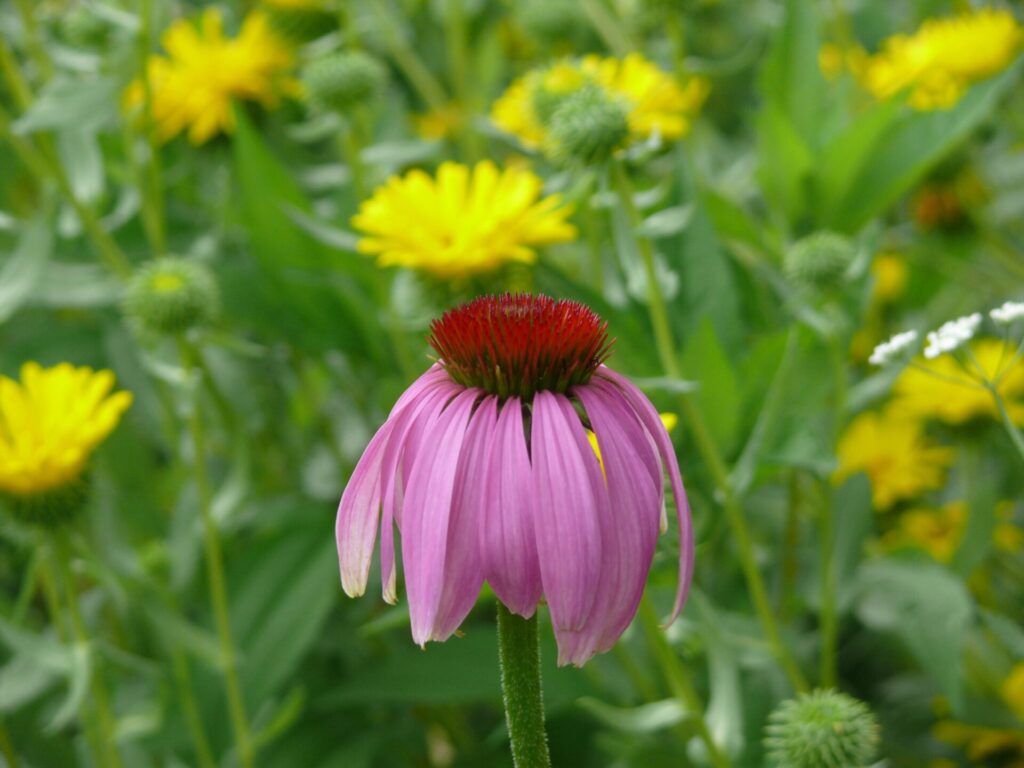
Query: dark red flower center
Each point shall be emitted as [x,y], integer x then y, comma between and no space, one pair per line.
[519,344]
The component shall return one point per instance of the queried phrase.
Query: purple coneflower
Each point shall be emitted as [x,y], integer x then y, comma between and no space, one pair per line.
[485,467]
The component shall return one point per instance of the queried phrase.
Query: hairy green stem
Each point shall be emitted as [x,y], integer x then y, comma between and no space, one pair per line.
[215,573]
[519,654]
[704,440]
[680,683]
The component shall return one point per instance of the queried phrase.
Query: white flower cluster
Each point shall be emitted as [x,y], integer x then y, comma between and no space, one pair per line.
[887,350]
[1006,314]
[951,335]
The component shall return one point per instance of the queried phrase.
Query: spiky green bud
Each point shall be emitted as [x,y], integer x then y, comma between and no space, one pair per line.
[338,82]
[821,729]
[171,295]
[587,127]
[819,260]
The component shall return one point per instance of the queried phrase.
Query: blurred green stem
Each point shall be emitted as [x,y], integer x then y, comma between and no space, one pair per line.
[351,153]
[106,738]
[32,41]
[215,569]
[456,43]
[6,748]
[418,74]
[150,190]
[679,682]
[1011,429]
[519,655]
[183,681]
[610,28]
[704,440]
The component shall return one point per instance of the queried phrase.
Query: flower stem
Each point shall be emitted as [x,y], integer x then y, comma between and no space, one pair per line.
[351,154]
[608,27]
[106,746]
[1011,429]
[7,749]
[215,574]
[519,654]
[418,74]
[679,682]
[705,441]
[828,619]
[183,681]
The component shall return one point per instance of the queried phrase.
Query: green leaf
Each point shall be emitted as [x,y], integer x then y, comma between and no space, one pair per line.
[23,269]
[22,680]
[666,222]
[927,607]
[65,102]
[646,718]
[76,286]
[719,395]
[907,150]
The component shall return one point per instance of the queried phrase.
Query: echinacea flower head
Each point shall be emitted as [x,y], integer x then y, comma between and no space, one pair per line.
[941,389]
[462,222]
[937,63]
[50,423]
[895,454]
[485,468]
[654,101]
[193,87]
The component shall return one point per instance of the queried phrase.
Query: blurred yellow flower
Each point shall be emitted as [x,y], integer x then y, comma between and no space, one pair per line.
[940,531]
[893,451]
[947,394]
[462,222]
[938,62]
[193,87]
[981,742]
[889,271]
[834,59]
[654,100]
[439,123]
[51,422]
[1013,691]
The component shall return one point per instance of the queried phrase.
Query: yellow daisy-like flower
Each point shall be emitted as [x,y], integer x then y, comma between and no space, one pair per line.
[940,531]
[938,62]
[653,99]
[193,87]
[889,271]
[51,422]
[951,397]
[893,451]
[462,222]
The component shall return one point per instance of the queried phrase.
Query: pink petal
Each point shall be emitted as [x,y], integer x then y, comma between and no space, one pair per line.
[463,571]
[630,529]
[426,513]
[507,540]
[568,491]
[355,527]
[651,421]
[433,375]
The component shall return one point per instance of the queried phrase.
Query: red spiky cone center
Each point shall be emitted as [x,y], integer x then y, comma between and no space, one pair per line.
[520,344]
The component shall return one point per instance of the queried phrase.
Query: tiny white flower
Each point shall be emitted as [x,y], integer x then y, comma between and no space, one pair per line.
[1006,314]
[951,335]
[888,350]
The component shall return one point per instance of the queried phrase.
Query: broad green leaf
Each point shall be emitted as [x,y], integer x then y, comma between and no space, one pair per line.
[22,680]
[666,222]
[67,285]
[64,102]
[22,271]
[927,607]
[718,396]
[646,718]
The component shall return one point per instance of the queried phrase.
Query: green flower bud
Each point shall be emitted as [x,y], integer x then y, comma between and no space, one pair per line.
[819,260]
[338,82]
[822,729]
[170,295]
[587,127]
[51,508]
[299,23]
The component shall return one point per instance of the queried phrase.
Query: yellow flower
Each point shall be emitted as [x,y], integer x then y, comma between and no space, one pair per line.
[51,422]
[890,273]
[940,531]
[303,5]
[943,57]
[892,450]
[982,742]
[192,88]
[1013,691]
[654,101]
[950,396]
[439,123]
[463,222]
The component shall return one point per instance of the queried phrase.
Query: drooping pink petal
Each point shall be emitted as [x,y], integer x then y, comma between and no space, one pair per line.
[426,513]
[418,417]
[630,529]
[433,375]
[463,571]
[355,527]
[568,489]
[652,422]
[507,542]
